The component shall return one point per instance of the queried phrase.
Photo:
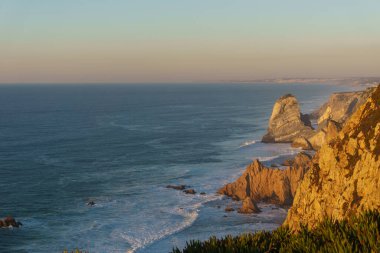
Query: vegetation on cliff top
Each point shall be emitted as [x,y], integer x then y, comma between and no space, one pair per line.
[358,234]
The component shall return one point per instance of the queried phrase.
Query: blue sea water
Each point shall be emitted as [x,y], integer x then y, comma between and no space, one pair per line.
[120,145]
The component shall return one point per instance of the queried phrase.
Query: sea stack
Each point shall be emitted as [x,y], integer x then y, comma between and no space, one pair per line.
[344,180]
[286,122]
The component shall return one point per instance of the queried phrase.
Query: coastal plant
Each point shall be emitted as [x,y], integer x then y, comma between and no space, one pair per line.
[360,233]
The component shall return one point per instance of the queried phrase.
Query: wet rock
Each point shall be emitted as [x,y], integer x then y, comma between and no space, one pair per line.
[190,191]
[177,187]
[202,193]
[229,209]
[10,222]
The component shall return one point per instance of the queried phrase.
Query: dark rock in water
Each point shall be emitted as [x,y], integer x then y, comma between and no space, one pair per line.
[91,203]
[190,191]
[177,187]
[229,209]
[274,165]
[202,193]
[10,222]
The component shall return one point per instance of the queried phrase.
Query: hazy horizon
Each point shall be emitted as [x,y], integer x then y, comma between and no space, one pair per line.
[175,41]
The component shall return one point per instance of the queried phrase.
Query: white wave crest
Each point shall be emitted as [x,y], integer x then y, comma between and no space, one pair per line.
[248,143]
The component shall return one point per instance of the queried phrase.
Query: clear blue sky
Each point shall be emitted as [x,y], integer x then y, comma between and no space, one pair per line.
[147,41]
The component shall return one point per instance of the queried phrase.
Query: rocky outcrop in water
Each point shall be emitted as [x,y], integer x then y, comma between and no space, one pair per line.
[271,185]
[10,222]
[345,176]
[286,122]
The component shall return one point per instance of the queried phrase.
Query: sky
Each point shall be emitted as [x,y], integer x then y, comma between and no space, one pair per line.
[79,41]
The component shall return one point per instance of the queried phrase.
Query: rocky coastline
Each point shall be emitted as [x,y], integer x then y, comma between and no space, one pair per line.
[341,179]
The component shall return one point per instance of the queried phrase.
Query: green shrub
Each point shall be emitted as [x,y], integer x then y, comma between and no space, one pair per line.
[357,234]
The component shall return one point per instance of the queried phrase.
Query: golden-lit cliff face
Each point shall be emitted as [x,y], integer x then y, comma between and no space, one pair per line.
[345,179]
[271,185]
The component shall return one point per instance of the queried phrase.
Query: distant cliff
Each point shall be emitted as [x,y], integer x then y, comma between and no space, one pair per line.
[288,124]
[335,112]
[345,177]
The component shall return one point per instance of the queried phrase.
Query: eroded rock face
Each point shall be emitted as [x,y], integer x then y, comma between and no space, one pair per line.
[270,185]
[286,122]
[249,206]
[341,106]
[345,177]
[330,130]
[302,142]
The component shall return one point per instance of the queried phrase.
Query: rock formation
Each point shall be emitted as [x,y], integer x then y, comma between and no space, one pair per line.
[286,122]
[341,106]
[331,116]
[249,206]
[10,222]
[189,191]
[303,143]
[345,177]
[330,130]
[272,185]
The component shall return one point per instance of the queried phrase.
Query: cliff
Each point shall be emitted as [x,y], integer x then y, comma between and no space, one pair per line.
[344,178]
[272,185]
[341,105]
[334,113]
[286,122]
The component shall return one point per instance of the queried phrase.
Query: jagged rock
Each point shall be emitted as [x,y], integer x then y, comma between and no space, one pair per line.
[288,162]
[249,206]
[229,209]
[270,185]
[190,191]
[286,122]
[10,222]
[328,132]
[177,187]
[344,179]
[302,142]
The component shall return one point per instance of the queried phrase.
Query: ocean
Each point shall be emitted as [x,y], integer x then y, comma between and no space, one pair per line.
[62,146]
